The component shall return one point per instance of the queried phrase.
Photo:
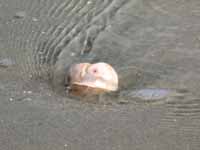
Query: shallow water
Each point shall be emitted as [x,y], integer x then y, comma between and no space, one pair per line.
[153,45]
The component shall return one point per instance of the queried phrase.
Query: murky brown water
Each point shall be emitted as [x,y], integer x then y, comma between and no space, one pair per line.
[153,45]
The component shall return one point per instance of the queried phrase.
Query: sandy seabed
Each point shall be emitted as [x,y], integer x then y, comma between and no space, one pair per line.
[159,38]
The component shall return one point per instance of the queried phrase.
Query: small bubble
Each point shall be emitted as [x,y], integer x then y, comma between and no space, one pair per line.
[89,2]
[29,92]
[65,147]
[35,19]
[73,54]
[11,99]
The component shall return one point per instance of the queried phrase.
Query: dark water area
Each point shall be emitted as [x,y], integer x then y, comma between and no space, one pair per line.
[154,45]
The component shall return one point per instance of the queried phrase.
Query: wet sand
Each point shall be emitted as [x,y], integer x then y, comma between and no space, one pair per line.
[151,43]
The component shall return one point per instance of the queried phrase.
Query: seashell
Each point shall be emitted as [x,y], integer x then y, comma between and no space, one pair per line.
[92,79]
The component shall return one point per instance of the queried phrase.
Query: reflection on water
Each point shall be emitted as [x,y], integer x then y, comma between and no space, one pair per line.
[149,94]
